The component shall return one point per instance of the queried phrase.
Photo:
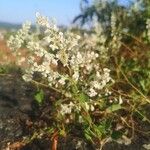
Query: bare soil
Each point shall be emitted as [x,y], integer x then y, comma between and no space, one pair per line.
[20,115]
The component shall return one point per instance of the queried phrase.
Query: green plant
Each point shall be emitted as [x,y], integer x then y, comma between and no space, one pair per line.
[77,69]
[39,97]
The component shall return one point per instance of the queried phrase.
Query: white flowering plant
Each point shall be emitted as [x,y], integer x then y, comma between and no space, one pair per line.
[76,67]
[66,68]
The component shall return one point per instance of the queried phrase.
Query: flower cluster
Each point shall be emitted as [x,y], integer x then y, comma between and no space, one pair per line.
[15,42]
[62,63]
[75,108]
[69,108]
[101,42]
[115,43]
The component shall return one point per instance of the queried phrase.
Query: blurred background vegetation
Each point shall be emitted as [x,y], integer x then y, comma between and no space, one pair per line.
[126,49]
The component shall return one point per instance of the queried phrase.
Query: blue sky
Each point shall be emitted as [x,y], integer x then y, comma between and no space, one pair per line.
[18,11]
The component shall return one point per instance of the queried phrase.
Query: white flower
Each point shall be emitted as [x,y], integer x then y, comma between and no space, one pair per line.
[107,92]
[146,146]
[67,108]
[68,94]
[41,20]
[96,85]
[92,108]
[87,106]
[120,100]
[62,81]
[15,42]
[76,76]
[27,77]
[81,119]
[92,92]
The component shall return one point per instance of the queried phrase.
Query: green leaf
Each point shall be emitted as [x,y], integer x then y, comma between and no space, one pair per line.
[62,132]
[88,134]
[113,108]
[88,137]
[108,124]
[101,130]
[83,97]
[39,97]
[142,82]
[1,70]
[116,135]
[87,119]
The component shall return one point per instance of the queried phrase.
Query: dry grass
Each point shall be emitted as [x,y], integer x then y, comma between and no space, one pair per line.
[6,56]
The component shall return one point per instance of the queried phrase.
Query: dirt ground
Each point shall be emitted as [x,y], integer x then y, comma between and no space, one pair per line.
[18,109]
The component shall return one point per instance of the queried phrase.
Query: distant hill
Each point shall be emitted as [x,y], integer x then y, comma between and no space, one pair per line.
[9,26]
[13,26]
